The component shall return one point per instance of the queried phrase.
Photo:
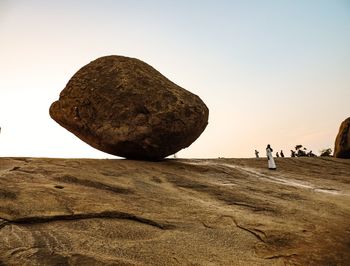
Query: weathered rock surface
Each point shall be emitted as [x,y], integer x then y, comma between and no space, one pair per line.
[174,212]
[342,142]
[125,107]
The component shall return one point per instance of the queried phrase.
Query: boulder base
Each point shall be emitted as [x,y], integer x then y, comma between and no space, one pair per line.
[125,107]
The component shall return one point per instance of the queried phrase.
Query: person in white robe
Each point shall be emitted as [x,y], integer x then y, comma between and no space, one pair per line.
[271,161]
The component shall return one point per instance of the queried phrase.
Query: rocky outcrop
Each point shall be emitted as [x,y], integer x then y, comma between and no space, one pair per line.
[125,107]
[174,212]
[342,141]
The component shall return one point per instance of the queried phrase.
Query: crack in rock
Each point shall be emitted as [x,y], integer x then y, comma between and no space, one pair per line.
[253,232]
[278,256]
[83,216]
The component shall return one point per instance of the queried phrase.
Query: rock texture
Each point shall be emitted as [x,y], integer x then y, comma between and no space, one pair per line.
[342,142]
[125,107]
[174,212]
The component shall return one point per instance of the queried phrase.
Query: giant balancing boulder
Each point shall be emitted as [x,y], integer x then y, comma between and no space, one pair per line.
[125,107]
[342,142]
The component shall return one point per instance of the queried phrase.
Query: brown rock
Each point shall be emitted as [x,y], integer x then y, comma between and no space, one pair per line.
[342,142]
[77,212]
[125,107]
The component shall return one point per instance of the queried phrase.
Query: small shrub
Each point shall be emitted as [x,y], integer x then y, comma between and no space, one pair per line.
[326,152]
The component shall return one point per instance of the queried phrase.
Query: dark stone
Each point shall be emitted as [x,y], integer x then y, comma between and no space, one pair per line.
[125,107]
[342,142]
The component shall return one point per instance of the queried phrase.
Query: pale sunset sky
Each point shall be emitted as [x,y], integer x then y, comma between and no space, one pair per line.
[273,71]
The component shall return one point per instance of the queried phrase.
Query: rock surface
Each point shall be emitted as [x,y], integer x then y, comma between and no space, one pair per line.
[342,142]
[174,212]
[125,107]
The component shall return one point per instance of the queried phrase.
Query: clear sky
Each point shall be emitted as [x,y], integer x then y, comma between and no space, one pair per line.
[273,72]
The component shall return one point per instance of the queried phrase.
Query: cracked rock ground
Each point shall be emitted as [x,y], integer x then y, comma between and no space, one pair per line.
[174,212]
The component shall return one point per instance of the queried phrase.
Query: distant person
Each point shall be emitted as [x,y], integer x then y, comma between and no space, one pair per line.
[271,161]
[311,154]
[292,153]
[277,155]
[282,154]
[256,154]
